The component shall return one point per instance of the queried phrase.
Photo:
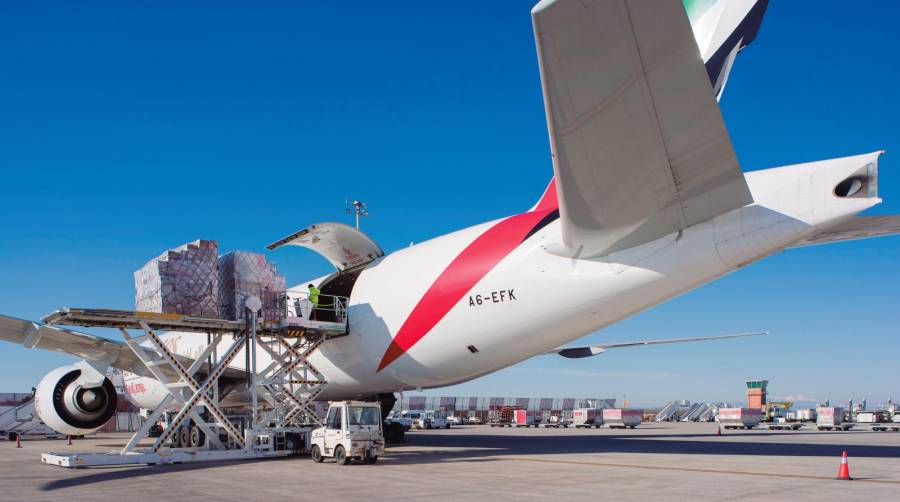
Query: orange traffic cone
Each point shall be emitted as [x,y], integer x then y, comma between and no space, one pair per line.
[719,431]
[18,441]
[844,472]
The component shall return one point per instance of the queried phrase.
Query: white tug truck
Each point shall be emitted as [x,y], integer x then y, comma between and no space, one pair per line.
[352,431]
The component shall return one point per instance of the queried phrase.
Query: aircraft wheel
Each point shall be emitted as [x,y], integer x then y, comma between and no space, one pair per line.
[316,454]
[340,456]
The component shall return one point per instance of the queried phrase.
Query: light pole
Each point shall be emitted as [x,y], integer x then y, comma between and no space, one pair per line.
[358,208]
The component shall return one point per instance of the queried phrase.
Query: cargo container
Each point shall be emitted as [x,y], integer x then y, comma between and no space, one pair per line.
[806,415]
[526,418]
[739,418]
[620,418]
[587,417]
[831,418]
[868,417]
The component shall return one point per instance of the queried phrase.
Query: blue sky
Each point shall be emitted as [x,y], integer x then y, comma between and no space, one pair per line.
[129,128]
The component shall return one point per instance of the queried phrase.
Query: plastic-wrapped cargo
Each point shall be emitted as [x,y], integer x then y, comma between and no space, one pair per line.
[739,418]
[623,417]
[183,280]
[243,274]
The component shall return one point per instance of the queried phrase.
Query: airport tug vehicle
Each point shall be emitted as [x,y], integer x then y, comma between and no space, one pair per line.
[352,431]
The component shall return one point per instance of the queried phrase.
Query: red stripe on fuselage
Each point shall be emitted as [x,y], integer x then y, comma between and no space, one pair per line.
[473,263]
[550,200]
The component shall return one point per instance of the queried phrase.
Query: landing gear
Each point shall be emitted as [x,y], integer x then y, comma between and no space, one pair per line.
[394,433]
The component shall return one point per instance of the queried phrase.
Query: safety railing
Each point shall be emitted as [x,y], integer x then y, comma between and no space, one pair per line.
[321,307]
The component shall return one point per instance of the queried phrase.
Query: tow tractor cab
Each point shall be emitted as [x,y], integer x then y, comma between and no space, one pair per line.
[352,431]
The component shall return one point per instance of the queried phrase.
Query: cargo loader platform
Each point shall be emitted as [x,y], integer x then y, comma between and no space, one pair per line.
[282,388]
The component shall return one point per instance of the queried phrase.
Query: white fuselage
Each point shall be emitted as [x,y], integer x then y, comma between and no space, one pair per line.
[532,301]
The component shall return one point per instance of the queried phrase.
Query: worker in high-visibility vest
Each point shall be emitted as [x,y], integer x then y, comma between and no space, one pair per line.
[313,300]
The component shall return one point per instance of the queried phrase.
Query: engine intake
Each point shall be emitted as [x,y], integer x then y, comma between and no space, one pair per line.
[69,407]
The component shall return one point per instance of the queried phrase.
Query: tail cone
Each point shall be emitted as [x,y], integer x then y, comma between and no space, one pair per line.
[844,472]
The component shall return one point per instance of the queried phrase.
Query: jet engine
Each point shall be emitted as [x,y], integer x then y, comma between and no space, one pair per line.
[68,403]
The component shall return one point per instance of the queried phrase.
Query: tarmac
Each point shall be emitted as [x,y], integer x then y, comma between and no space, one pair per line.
[667,461]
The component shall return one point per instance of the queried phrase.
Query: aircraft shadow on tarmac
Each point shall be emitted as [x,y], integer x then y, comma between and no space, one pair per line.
[479,447]
[741,443]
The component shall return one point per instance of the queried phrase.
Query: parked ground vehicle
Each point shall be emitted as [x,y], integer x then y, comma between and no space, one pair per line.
[352,431]
[454,420]
[555,422]
[474,420]
[401,418]
[431,420]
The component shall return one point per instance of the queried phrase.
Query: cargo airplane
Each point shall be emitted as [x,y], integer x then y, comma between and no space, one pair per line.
[647,201]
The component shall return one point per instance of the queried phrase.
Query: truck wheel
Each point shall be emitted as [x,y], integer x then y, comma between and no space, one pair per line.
[340,456]
[316,454]
[446,427]
[197,437]
[184,436]
[371,459]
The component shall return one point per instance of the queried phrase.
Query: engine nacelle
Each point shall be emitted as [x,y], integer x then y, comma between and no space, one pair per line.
[69,406]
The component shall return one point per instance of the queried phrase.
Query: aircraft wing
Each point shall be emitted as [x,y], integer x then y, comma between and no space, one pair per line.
[858,227]
[35,335]
[639,146]
[593,350]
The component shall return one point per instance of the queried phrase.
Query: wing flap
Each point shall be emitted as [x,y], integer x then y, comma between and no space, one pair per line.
[639,145]
[593,350]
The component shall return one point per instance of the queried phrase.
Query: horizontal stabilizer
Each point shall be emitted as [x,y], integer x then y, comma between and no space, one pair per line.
[593,350]
[858,227]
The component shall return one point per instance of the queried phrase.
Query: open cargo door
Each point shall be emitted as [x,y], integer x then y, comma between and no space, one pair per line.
[342,245]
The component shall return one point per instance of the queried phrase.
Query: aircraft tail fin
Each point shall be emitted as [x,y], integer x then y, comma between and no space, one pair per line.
[722,28]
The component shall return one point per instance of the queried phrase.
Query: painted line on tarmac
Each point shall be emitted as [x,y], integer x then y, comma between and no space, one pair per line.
[694,469]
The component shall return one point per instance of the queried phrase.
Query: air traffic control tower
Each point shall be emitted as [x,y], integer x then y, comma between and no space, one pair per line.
[756,394]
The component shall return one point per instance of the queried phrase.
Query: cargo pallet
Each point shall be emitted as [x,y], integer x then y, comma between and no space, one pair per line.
[287,386]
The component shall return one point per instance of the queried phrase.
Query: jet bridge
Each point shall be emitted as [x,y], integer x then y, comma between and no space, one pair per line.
[281,415]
